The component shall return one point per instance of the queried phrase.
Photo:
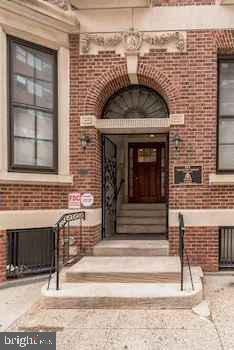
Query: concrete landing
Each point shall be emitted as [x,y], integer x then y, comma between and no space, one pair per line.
[128,269]
[132,248]
[126,296]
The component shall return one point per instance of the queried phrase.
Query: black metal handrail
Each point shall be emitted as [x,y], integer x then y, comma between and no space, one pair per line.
[60,226]
[183,253]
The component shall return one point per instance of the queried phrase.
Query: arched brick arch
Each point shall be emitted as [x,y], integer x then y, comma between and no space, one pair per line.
[117,77]
[224,41]
[157,80]
[105,86]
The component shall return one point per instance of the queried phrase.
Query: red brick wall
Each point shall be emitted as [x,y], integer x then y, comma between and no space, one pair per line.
[3,249]
[86,237]
[188,82]
[201,244]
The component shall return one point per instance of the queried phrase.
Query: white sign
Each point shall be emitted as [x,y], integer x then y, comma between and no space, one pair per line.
[87,199]
[74,199]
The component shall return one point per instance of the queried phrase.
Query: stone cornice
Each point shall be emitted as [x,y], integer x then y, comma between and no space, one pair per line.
[43,13]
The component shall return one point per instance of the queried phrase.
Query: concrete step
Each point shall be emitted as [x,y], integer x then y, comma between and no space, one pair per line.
[163,269]
[125,295]
[143,206]
[131,248]
[143,213]
[141,229]
[129,220]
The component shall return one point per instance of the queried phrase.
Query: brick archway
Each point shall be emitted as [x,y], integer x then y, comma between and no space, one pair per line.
[117,77]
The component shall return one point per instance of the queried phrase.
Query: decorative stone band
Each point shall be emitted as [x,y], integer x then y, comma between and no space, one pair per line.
[17,219]
[221,179]
[202,217]
[132,125]
[132,41]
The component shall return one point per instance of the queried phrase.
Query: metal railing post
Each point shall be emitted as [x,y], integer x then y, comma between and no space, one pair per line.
[57,258]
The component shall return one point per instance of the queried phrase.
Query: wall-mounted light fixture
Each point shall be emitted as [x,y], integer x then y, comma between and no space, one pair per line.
[177,141]
[84,141]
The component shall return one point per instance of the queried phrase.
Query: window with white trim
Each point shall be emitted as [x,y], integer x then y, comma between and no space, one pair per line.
[32,107]
[226,115]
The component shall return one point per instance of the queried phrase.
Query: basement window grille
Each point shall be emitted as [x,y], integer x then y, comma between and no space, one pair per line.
[30,251]
[226,247]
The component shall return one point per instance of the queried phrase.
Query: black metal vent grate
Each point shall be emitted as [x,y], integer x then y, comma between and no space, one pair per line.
[30,251]
[226,247]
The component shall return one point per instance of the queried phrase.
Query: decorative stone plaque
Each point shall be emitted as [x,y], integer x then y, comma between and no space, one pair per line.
[188,174]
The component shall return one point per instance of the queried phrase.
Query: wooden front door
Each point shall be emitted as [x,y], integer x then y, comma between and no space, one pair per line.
[147,172]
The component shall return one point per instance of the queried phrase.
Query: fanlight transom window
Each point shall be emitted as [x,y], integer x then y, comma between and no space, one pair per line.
[136,101]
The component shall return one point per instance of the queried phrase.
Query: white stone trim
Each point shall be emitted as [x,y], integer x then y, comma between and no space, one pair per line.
[163,18]
[132,65]
[177,119]
[221,179]
[225,2]
[133,125]
[202,217]
[63,123]
[43,13]
[127,126]
[104,4]
[17,219]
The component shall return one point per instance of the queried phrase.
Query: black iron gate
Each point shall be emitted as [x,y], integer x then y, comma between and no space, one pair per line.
[109,187]
[226,247]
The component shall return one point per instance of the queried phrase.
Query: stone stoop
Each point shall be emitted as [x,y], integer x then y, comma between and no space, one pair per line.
[132,248]
[99,295]
[160,269]
[145,277]
[142,218]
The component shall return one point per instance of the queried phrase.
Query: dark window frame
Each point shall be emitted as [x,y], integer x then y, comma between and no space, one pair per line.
[12,167]
[221,59]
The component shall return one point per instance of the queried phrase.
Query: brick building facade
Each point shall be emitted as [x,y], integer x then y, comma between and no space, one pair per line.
[95,60]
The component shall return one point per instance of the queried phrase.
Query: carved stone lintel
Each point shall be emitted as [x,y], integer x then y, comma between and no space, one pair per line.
[133,41]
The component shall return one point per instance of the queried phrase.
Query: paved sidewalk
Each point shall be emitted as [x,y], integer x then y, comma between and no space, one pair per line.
[15,301]
[141,329]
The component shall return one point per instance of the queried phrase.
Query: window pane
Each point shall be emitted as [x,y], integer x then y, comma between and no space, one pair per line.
[24,122]
[226,131]
[44,126]
[23,60]
[44,64]
[24,151]
[45,153]
[44,94]
[226,88]
[226,157]
[147,155]
[23,90]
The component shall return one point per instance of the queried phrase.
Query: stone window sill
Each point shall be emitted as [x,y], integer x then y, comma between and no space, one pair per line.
[40,179]
[221,179]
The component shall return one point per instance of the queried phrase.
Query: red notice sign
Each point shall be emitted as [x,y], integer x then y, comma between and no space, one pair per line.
[74,200]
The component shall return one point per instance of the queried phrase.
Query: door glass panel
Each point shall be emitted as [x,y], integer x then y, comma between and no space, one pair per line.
[146,155]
